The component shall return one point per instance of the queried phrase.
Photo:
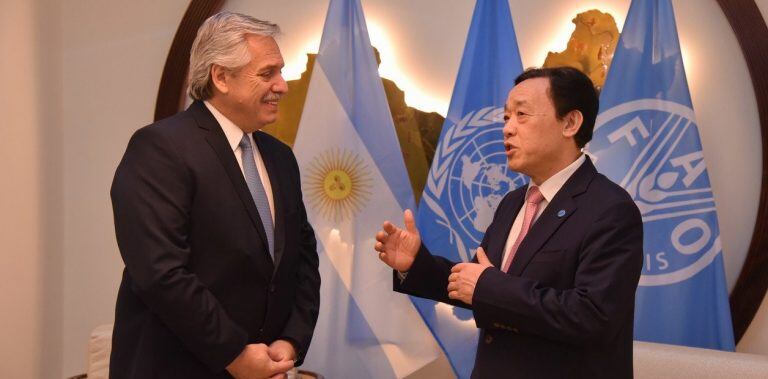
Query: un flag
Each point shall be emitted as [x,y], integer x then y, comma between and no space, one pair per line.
[469,174]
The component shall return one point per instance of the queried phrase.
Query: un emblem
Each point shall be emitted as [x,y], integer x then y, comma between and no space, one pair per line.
[651,148]
[469,177]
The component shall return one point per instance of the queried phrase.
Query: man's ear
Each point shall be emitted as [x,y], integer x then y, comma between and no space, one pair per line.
[573,121]
[219,78]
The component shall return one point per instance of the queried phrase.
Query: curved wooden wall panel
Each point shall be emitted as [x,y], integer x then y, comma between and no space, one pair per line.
[170,96]
[750,28]
[752,34]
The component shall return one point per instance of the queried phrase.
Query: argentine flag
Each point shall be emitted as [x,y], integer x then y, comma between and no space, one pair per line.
[469,176]
[354,178]
[646,139]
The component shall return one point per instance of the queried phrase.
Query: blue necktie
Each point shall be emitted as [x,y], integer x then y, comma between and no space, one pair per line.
[257,191]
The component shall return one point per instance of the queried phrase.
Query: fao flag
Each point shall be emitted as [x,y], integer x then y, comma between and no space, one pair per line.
[647,140]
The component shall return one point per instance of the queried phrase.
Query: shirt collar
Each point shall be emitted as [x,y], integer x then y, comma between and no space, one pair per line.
[233,133]
[552,186]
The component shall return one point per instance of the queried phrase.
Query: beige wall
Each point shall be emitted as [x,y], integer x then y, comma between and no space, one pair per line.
[112,59]
[20,152]
[30,277]
[84,76]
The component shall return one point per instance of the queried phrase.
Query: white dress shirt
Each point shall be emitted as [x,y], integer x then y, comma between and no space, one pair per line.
[234,135]
[549,189]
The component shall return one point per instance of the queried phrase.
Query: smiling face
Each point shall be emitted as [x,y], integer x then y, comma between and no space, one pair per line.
[537,143]
[249,95]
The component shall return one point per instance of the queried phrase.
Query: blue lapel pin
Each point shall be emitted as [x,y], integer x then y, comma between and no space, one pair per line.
[561,213]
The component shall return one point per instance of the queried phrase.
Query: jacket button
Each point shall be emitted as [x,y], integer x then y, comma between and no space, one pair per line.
[488,339]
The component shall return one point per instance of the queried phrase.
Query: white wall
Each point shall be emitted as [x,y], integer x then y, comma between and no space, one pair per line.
[109,57]
[425,40]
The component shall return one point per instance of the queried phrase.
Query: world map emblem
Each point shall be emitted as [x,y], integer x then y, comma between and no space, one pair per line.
[469,178]
[651,148]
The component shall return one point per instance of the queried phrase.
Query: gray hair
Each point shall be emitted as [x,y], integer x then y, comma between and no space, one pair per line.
[221,41]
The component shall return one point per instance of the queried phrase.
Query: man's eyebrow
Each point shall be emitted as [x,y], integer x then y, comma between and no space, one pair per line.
[521,102]
[516,103]
[273,66]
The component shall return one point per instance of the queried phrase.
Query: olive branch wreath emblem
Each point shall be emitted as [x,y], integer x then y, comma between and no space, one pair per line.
[454,138]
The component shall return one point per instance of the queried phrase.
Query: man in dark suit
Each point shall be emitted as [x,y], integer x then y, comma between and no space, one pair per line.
[554,296]
[221,269]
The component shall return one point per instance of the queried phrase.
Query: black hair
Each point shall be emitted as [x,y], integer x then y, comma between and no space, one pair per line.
[569,90]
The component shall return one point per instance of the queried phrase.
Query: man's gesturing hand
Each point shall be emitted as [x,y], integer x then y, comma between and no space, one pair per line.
[464,276]
[398,247]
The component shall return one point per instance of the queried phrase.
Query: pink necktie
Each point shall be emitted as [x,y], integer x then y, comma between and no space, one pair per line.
[534,197]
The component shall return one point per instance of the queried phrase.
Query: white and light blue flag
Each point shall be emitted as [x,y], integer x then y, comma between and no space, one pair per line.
[468,176]
[647,140]
[354,178]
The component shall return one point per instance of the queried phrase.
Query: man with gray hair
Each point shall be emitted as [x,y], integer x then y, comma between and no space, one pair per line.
[221,269]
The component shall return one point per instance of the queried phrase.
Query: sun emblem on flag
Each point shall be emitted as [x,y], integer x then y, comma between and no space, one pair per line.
[338,184]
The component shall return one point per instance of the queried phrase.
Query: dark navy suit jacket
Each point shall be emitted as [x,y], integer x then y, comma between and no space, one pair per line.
[199,283]
[565,309]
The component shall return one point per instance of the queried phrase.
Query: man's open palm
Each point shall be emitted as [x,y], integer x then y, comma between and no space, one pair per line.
[398,247]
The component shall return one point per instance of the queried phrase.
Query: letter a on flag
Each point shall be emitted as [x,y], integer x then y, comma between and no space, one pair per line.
[647,140]
[469,176]
[354,178]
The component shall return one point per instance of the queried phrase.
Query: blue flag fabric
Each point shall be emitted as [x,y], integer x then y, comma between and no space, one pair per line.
[469,176]
[646,139]
[354,178]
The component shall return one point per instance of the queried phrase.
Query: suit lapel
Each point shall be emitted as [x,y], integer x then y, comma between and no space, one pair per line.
[496,245]
[218,141]
[559,209]
[269,157]
[541,230]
